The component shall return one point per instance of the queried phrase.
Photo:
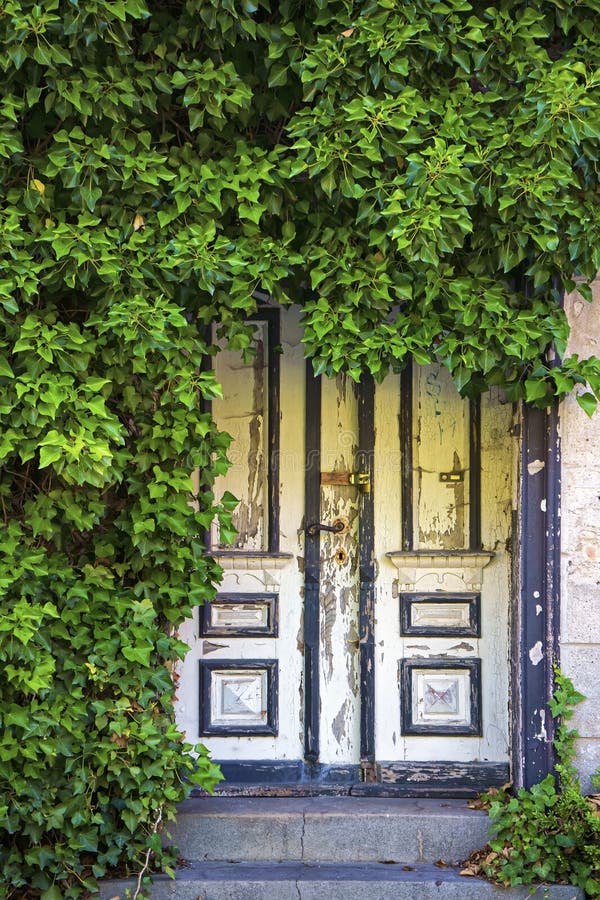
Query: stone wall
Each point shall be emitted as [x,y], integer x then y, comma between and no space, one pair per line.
[580,603]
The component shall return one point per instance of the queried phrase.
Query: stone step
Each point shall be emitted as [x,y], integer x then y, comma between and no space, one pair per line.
[335,881]
[321,829]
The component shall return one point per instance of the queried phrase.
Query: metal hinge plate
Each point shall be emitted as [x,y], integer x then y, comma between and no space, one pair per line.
[370,772]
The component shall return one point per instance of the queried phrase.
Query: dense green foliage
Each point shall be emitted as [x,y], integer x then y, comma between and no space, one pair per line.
[550,833]
[421,177]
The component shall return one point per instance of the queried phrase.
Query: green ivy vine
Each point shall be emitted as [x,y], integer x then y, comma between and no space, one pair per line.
[421,178]
[550,833]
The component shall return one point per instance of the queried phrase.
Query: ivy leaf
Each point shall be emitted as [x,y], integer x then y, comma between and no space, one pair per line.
[48,455]
[52,893]
[5,368]
[588,402]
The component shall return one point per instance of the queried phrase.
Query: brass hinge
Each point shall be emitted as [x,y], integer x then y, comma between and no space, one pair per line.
[370,772]
[362,480]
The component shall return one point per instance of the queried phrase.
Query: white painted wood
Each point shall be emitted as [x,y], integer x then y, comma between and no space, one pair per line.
[498,491]
[245,573]
[440,445]
[489,572]
[389,744]
[441,522]
[242,412]
[339,598]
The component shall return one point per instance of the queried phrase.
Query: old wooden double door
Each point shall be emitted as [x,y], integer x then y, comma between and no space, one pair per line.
[360,638]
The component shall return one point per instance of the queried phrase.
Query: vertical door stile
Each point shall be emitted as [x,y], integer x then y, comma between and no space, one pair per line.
[340,698]
[312,562]
[366,443]
[273,421]
[475,474]
[406,457]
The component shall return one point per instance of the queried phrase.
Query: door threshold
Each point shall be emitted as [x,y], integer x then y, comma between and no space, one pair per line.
[277,778]
[358,789]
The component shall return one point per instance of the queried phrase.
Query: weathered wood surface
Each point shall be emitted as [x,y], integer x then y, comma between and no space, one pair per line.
[243,413]
[339,598]
[254,568]
[320,625]
[450,574]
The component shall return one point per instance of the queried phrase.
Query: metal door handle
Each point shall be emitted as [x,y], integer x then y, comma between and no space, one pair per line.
[337,527]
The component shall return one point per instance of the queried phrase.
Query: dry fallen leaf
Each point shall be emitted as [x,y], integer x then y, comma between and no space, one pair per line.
[594,801]
[119,740]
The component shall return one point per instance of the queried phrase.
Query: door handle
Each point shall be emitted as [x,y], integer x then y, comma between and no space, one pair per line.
[337,527]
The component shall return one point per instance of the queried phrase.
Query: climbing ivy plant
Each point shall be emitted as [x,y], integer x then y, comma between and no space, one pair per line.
[551,833]
[421,178]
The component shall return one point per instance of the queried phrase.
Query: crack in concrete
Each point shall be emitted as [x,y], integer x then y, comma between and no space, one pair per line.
[302,835]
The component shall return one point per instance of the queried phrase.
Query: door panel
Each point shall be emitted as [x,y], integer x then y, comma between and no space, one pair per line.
[440,438]
[243,412]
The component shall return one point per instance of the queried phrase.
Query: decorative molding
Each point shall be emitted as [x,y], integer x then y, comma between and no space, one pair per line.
[239,697]
[257,559]
[441,696]
[418,566]
[439,614]
[240,615]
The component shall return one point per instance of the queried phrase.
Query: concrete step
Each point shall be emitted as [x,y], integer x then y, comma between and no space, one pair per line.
[334,881]
[322,829]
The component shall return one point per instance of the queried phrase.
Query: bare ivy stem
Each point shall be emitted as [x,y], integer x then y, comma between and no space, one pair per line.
[146,865]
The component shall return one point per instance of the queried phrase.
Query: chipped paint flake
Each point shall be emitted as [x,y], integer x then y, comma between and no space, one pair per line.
[536,654]
[209,647]
[542,735]
[536,466]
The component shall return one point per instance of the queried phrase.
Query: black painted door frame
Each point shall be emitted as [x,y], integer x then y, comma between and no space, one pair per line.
[536,618]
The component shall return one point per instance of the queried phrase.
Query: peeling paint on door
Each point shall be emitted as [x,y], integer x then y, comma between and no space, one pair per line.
[440,445]
[242,413]
[339,569]
[441,514]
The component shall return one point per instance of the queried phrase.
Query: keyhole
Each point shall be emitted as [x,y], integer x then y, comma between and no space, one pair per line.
[340,556]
